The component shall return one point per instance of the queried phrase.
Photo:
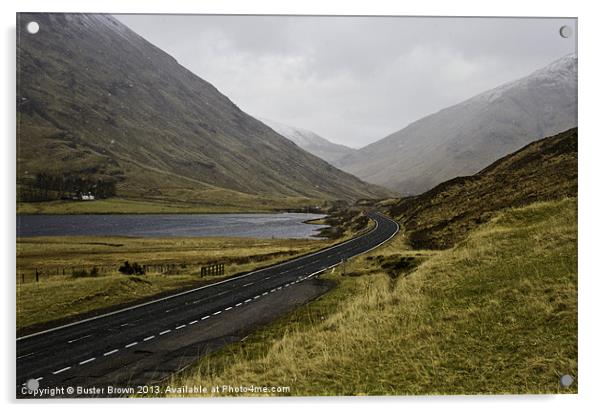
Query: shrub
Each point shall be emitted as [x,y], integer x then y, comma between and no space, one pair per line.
[131,269]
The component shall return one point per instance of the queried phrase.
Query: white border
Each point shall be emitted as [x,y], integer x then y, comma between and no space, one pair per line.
[589,203]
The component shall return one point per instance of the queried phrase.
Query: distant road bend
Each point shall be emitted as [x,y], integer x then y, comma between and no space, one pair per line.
[148,342]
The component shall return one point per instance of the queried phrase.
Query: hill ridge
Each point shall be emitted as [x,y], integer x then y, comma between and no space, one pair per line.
[96,99]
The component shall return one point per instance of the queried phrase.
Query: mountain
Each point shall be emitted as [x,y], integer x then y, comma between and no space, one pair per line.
[95,99]
[464,138]
[310,141]
[543,170]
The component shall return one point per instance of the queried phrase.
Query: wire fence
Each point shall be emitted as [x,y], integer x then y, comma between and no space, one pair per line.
[38,274]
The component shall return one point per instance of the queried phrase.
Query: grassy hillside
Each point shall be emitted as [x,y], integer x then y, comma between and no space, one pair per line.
[543,170]
[96,100]
[496,314]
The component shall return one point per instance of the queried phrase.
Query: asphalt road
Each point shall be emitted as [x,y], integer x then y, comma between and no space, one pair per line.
[148,342]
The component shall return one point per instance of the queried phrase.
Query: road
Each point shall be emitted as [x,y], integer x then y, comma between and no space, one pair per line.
[148,342]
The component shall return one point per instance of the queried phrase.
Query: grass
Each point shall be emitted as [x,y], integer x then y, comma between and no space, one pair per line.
[244,204]
[58,296]
[495,314]
[541,171]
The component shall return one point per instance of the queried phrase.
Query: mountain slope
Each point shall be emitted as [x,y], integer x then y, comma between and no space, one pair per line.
[543,170]
[95,99]
[310,141]
[464,138]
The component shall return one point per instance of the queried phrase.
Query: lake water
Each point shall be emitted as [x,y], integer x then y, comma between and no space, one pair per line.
[266,225]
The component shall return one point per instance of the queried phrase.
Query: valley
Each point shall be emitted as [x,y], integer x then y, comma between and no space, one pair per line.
[166,237]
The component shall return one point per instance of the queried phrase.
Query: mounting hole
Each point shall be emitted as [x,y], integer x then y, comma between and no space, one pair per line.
[566,380]
[33,27]
[565,31]
[32,384]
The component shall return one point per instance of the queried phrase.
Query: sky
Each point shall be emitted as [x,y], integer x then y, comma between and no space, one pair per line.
[354,80]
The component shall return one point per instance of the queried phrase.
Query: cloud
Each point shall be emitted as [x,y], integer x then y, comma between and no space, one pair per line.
[353,80]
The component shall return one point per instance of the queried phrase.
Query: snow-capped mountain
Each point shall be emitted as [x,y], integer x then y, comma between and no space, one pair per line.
[310,141]
[463,139]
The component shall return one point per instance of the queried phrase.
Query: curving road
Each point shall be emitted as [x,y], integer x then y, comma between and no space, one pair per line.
[148,342]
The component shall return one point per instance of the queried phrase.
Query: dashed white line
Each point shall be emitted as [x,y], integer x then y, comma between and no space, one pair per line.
[80,338]
[248,300]
[24,356]
[110,352]
[148,338]
[180,327]
[87,361]
[273,290]
[248,284]
[205,317]
[256,297]
[164,332]
[129,345]
[228,308]
[61,370]
[192,322]
[238,304]
[217,313]
[264,293]
[40,378]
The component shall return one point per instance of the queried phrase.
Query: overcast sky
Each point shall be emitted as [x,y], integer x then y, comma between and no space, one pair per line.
[353,80]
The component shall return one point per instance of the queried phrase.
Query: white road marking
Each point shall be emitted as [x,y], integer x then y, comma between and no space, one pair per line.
[217,313]
[238,304]
[111,352]
[205,317]
[164,332]
[124,324]
[61,370]
[87,361]
[256,297]
[228,308]
[40,378]
[192,322]
[148,338]
[248,284]
[24,356]
[129,345]
[248,300]
[180,327]
[264,293]
[273,290]
[80,338]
